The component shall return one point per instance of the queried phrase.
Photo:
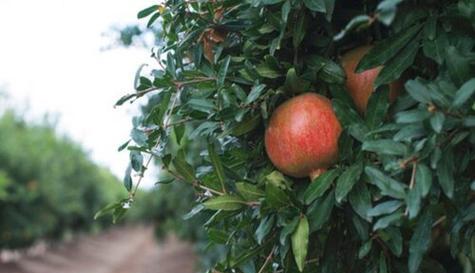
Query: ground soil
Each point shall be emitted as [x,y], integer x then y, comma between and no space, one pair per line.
[120,250]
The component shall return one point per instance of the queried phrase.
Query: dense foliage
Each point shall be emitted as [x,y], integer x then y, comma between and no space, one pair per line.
[48,185]
[400,198]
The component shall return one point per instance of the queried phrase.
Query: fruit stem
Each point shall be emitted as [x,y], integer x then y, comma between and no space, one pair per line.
[316,173]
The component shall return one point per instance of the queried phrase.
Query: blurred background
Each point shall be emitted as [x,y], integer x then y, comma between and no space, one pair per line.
[63,64]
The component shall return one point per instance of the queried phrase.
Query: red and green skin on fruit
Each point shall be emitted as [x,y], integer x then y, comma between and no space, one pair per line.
[360,85]
[302,136]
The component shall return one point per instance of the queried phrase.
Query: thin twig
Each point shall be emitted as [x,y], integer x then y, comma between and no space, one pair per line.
[412,182]
[440,220]
[268,259]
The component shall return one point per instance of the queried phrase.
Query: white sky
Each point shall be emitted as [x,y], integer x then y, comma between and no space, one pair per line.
[51,61]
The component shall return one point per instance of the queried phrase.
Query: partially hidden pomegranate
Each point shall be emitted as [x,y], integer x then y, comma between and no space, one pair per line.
[302,136]
[360,85]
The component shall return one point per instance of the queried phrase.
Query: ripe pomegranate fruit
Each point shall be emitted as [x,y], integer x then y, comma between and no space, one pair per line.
[360,85]
[302,136]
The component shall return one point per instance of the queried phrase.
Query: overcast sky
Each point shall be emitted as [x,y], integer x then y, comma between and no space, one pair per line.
[51,61]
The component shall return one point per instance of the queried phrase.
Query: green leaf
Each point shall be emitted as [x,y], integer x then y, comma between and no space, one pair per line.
[413,201]
[246,126]
[146,12]
[152,19]
[320,211]
[365,249]
[108,209]
[458,65]
[256,91]
[420,241]
[300,242]
[347,180]
[276,197]
[386,11]
[446,177]
[418,90]
[264,228]
[385,146]
[223,71]
[202,105]
[136,160]
[386,184]
[183,168]
[411,116]
[358,22]
[360,200]
[315,5]
[224,202]
[346,115]
[378,105]
[264,70]
[385,50]
[217,236]
[294,84]
[128,178]
[437,121]
[394,68]
[217,165]
[288,229]
[385,208]
[299,29]
[249,191]
[464,93]
[320,185]
[423,179]
[386,221]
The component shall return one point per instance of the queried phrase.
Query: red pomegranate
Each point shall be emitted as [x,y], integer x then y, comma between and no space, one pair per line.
[360,85]
[302,136]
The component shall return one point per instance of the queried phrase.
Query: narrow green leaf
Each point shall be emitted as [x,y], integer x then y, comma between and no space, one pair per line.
[249,191]
[386,184]
[346,115]
[288,229]
[411,116]
[437,121]
[423,179]
[224,202]
[387,49]
[217,165]
[128,178]
[315,5]
[413,202]
[136,160]
[386,221]
[347,180]
[299,29]
[265,226]
[464,93]
[360,200]
[378,105]
[300,242]
[320,185]
[385,208]
[385,146]
[420,241]
[365,249]
[418,90]
[223,71]
[394,68]
[445,177]
[183,168]
[147,11]
[320,211]
[256,91]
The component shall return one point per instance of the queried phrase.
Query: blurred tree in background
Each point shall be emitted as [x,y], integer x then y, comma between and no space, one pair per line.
[49,186]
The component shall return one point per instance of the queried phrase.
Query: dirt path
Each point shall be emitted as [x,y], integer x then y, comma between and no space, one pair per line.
[122,250]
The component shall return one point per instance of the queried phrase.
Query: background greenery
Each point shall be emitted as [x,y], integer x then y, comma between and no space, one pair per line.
[401,197]
[49,187]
